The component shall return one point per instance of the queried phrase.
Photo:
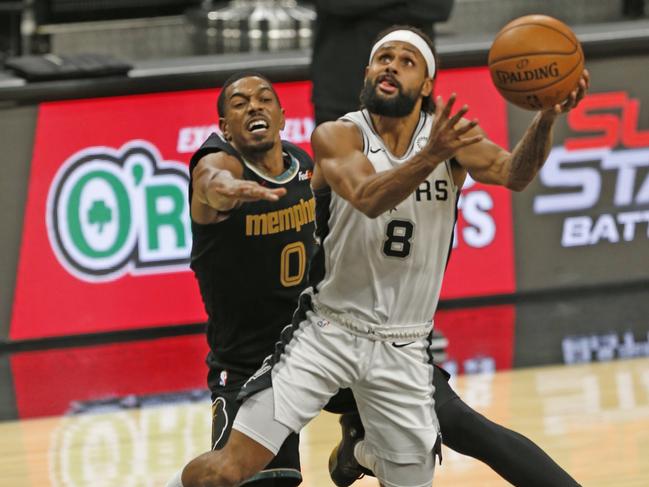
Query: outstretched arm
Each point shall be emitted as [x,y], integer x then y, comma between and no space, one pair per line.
[218,188]
[489,163]
[343,166]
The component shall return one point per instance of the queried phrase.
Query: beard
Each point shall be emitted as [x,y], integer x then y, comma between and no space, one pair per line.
[260,147]
[398,106]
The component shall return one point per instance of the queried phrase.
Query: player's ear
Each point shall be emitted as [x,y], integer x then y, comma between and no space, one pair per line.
[367,68]
[282,119]
[223,125]
[427,87]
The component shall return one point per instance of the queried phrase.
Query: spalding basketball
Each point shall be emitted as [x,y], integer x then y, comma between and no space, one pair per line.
[536,61]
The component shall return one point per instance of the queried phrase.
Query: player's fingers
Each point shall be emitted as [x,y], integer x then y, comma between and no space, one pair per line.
[571,102]
[449,106]
[278,191]
[463,142]
[452,122]
[270,194]
[467,127]
[251,190]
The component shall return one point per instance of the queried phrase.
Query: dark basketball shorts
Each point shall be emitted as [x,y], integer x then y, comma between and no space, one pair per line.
[284,469]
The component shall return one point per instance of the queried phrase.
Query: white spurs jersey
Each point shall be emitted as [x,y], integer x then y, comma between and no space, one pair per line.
[387,271]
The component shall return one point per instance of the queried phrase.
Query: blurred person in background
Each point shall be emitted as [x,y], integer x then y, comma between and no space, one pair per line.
[344,32]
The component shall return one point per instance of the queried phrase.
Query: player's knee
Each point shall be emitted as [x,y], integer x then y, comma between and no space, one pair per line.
[232,475]
[215,468]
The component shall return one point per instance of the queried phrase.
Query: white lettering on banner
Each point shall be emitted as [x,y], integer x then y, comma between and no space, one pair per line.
[559,172]
[566,170]
[480,230]
[190,139]
[298,130]
[602,348]
[584,230]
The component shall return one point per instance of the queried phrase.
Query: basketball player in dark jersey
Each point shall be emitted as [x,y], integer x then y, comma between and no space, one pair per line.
[252,215]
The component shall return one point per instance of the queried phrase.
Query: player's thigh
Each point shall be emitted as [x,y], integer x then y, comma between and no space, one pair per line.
[282,471]
[319,359]
[224,410]
[395,401]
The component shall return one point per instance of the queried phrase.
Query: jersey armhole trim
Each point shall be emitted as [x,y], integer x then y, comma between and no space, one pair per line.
[449,170]
[366,143]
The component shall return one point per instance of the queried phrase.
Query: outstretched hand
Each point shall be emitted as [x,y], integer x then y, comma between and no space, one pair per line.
[575,96]
[241,190]
[446,134]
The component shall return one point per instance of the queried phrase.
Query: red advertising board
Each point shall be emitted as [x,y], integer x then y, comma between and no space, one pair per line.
[106,237]
[479,339]
[50,382]
[482,262]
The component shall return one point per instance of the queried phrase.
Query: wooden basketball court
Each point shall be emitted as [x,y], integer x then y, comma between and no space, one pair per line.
[592,419]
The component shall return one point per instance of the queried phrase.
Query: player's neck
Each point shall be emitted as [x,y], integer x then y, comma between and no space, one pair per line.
[270,162]
[396,132]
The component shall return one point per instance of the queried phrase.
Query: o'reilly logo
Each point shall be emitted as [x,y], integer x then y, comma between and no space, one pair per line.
[112,212]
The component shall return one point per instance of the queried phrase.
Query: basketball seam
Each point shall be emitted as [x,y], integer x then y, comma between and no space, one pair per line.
[540,25]
[543,87]
[531,55]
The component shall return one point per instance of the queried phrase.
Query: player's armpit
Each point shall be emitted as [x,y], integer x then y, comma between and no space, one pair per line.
[338,155]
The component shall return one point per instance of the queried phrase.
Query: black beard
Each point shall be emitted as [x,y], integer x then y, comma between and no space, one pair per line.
[398,106]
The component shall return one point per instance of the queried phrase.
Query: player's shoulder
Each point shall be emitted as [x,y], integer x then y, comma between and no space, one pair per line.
[296,151]
[337,133]
[214,144]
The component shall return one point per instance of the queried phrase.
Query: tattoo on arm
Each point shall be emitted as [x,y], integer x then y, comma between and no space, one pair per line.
[530,153]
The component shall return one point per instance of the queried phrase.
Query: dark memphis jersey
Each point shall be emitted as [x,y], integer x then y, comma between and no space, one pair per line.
[252,267]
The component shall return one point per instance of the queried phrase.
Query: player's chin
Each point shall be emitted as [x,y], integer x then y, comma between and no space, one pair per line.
[260,144]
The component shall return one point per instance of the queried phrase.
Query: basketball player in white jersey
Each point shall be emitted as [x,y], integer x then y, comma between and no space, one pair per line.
[386,181]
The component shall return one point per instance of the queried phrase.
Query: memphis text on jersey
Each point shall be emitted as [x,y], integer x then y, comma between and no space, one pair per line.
[291,218]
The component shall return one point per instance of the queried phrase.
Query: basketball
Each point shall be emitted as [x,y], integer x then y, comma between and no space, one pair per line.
[535,62]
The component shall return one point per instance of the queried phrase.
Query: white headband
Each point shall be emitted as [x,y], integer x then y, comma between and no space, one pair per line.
[411,38]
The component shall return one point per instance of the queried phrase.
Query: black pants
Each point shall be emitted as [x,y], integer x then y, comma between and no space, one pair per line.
[511,455]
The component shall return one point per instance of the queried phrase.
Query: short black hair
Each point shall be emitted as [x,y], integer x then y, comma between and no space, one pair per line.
[428,103]
[220,103]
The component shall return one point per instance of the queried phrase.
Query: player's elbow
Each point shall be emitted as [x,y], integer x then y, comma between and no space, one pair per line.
[517,185]
[367,207]
[371,213]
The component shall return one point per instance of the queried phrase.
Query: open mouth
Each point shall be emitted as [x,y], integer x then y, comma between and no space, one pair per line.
[388,84]
[257,125]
